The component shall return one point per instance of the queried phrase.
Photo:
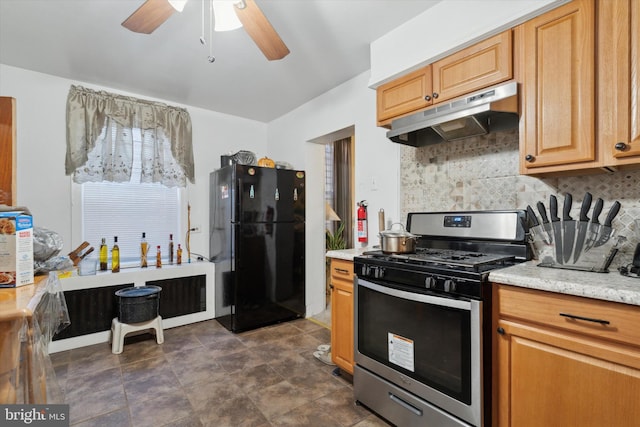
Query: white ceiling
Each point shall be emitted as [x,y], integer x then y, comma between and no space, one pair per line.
[83,40]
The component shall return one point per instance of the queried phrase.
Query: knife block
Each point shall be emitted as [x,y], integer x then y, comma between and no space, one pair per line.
[597,259]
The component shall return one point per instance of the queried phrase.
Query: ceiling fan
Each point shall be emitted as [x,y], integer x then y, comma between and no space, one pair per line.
[153,13]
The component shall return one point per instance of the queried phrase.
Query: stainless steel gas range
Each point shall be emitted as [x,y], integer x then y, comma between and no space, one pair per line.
[423,320]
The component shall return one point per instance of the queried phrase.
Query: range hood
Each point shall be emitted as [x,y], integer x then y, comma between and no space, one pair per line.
[488,110]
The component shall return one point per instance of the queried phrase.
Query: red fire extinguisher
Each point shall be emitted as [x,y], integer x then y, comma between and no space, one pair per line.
[362,222]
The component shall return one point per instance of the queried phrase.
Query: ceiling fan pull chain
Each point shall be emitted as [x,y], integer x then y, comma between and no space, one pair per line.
[211,58]
[202,39]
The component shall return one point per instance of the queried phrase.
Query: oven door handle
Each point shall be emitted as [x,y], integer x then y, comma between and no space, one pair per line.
[414,296]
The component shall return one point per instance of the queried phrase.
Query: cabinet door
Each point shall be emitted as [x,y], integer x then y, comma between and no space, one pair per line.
[619,81]
[547,378]
[558,97]
[342,314]
[404,95]
[8,150]
[481,65]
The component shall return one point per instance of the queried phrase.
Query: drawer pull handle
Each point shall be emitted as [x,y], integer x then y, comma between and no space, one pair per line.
[341,270]
[405,405]
[588,319]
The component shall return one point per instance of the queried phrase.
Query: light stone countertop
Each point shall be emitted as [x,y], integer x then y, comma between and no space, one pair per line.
[349,254]
[610,286]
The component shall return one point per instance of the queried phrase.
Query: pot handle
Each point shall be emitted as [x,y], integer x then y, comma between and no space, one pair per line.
[398,223]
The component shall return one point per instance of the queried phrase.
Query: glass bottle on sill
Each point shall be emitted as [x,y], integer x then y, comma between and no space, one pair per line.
[170,248]
[179,255]
[144,249]
[158,258]
[115,256]
[104,255]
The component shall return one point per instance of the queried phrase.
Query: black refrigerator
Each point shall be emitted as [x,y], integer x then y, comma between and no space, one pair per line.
[257,242]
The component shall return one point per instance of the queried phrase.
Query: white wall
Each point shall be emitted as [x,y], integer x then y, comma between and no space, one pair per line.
[445,28]
[41,144]
[377,160]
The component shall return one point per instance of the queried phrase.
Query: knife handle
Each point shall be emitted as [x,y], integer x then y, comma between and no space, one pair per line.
[586,205]
[566,209]
[597,209]
[532,216]
[543,212]
[615,208]
[553,208]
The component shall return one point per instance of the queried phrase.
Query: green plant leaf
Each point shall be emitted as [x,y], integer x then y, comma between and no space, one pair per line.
[336,241]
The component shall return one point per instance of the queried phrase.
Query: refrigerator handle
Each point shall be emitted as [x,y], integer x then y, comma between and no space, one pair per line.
[295,194]
[238,192]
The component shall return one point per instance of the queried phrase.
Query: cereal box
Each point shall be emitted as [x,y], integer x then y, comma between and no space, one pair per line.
[16,249]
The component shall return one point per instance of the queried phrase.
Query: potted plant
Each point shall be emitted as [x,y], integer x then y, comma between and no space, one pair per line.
[336,241]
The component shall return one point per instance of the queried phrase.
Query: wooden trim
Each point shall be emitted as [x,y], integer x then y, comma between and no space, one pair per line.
[8,159]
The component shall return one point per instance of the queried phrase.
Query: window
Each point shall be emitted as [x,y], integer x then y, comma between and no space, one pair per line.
[128,209]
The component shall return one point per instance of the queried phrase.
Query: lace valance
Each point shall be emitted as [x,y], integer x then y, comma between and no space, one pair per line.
[100,128]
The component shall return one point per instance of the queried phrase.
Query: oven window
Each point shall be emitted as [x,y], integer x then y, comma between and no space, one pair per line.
[431,343]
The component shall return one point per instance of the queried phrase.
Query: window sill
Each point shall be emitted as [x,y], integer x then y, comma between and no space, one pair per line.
[138,276]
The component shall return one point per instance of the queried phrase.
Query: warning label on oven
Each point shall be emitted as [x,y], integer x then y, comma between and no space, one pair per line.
[401,351]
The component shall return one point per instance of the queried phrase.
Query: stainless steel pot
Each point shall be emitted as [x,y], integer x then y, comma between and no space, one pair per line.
[398,241]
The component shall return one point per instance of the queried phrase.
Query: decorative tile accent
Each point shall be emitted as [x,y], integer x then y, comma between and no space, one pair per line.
[482,173]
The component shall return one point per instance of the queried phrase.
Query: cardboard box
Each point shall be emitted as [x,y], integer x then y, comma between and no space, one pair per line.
[16,249]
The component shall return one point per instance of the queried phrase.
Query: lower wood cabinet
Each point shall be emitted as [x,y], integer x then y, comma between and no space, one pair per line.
[561,360]
[342,323]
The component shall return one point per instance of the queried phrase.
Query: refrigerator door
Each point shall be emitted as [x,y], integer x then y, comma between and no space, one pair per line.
[268,281]
[269,195]
[222,199]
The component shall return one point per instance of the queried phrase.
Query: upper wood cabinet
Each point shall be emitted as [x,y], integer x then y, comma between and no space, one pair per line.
[579,70]
[409,93]
[556,61]
[619,81]
[484,64]
[8,150]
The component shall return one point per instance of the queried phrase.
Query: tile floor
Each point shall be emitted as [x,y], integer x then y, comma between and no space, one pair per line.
[204,375]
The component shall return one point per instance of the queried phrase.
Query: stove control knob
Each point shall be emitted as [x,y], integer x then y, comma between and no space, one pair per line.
[449,285]
[430,282]
[379,273]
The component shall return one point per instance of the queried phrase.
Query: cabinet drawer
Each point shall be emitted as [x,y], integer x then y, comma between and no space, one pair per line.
[341,270]
[591,317]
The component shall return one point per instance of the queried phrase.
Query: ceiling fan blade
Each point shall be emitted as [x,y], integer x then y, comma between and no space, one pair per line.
[260,30]
[149,16]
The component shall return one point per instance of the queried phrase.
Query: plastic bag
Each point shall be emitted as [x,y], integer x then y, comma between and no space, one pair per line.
[58,263]
[46,244]
[52,313]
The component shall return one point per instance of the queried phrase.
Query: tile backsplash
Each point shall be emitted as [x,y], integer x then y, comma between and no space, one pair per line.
[482,173]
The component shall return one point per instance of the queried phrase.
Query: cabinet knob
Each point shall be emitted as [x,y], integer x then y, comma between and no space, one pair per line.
[427,98]
[529,158]
[500,331]
[620,146]
[435,95]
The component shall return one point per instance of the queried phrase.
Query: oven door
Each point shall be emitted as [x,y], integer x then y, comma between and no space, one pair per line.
[426,344]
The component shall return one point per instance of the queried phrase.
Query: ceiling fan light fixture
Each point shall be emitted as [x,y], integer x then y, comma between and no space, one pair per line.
[178,4]
[225,17]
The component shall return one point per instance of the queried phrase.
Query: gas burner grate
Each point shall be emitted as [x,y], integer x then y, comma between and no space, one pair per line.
[463,260]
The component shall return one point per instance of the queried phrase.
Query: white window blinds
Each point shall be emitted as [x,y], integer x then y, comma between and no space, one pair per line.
[128,209]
